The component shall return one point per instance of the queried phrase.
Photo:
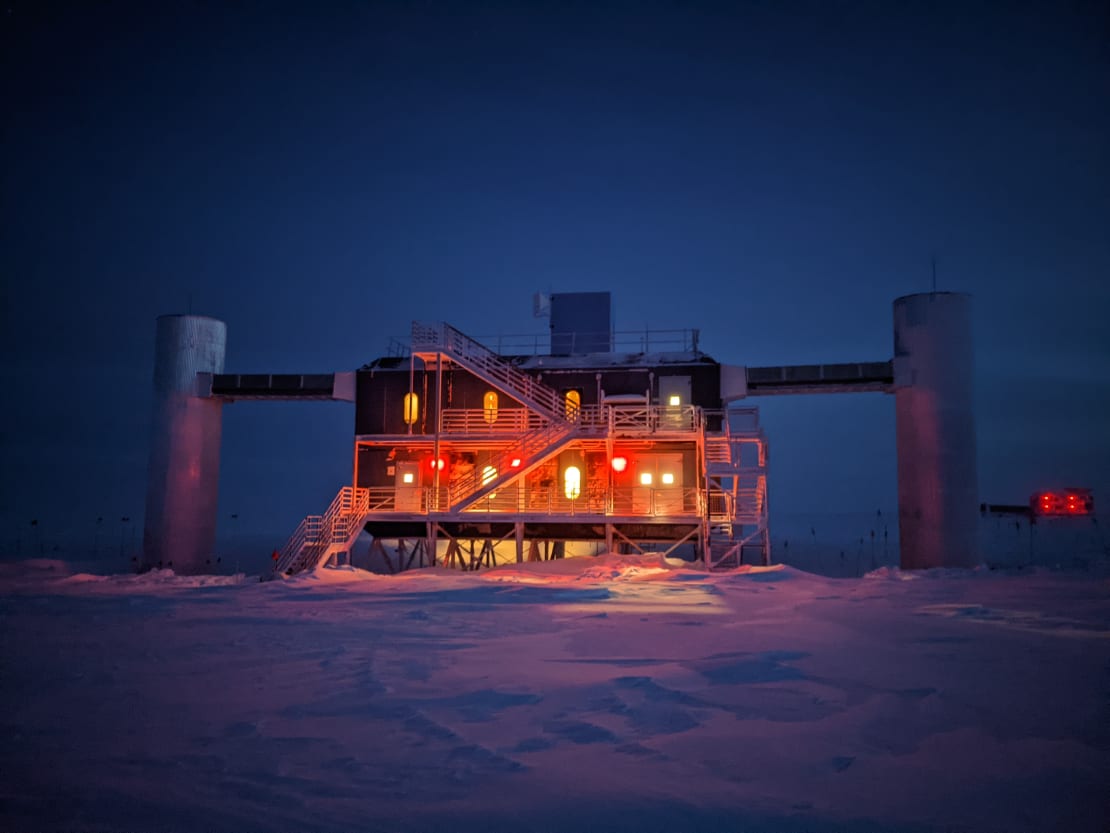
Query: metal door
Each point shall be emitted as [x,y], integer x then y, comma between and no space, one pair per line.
[407,485]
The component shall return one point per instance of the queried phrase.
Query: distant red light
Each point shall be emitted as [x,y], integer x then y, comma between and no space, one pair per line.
[1065,502]
[515,464]
[437,463]
[620,463]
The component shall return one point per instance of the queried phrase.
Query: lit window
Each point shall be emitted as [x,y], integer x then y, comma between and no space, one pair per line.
[489,407]
[407,477]
[675,400]
[645,478]
[489,474]
[573,401]
[572,482]
[620,463]
[412,408]
[668,479]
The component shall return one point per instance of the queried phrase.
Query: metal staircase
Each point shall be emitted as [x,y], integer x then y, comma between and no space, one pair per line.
[320,537]
[559,427]
[736,494]
[533,448]
[722,550]
[488,366]
[751,497]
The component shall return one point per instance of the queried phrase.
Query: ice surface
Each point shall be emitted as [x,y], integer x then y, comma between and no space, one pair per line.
[616,693]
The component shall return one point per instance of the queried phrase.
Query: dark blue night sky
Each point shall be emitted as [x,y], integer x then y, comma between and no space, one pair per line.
[320,174]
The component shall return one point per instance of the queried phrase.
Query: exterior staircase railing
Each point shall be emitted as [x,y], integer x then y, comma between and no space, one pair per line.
[736,489]
[718,451]
[750,494]
[487,364]
[318,537]
[532,449]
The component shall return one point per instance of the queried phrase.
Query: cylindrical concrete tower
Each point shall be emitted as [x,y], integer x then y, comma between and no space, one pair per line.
[938,489]
[183,476]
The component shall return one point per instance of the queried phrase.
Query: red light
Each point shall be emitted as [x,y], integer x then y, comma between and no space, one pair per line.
[515,464]
[436,463]
[1067,502]
[620,463]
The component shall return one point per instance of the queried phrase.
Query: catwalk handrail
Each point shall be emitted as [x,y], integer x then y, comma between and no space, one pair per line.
[646,340]
[489,421]
[626,501]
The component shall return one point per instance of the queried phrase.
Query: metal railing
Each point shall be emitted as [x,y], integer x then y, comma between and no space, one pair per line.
[637,501]
[317,535]
[751,492]
[486,363]
[657,501]
[720,506]
[652,419]
[531,449]
[418,500]
[539,344]
[718,450]
[482,421]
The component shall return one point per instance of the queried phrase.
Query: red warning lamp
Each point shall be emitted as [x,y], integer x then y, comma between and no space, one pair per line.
[436,464]
[1045,503]
[515,463]
[1067,502]
[619,463]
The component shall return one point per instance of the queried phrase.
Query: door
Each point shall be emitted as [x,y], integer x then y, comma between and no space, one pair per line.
[407,486]
[658,485]
[674,402]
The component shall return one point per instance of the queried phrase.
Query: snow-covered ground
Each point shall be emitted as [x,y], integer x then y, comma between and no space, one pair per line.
[611,693]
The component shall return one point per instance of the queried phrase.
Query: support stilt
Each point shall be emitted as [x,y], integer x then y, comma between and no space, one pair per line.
[376,547]
[452,553]
[417,550]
